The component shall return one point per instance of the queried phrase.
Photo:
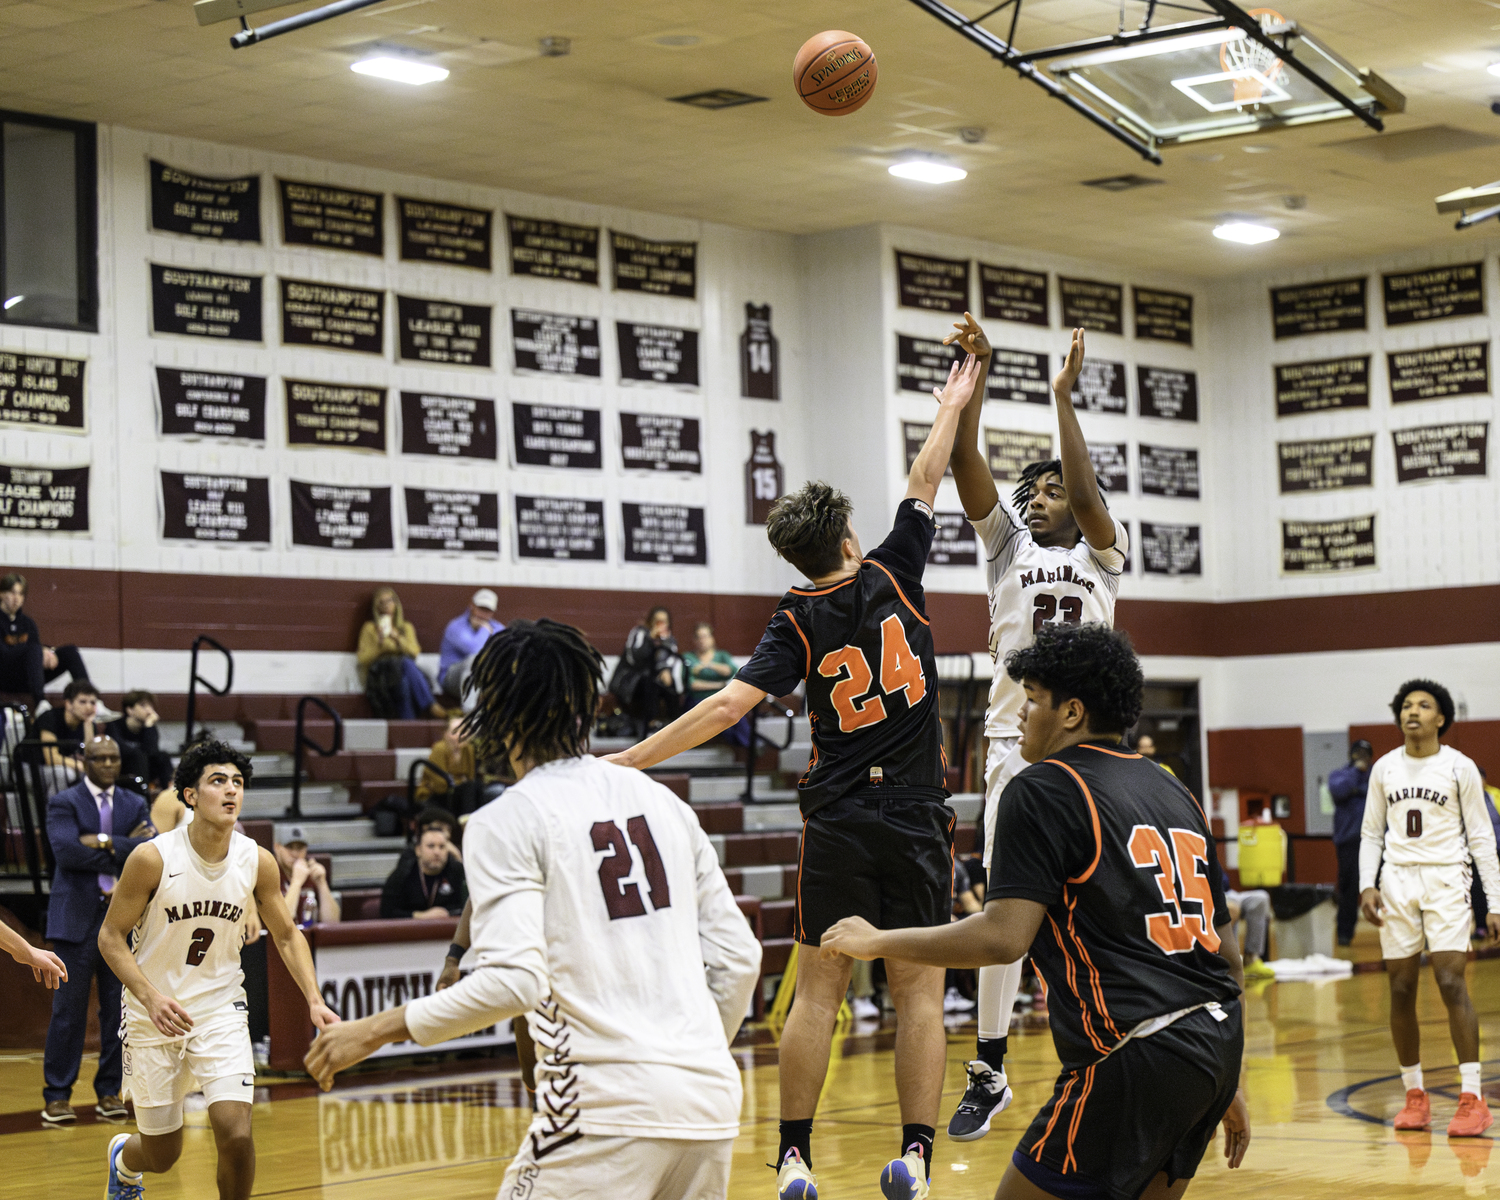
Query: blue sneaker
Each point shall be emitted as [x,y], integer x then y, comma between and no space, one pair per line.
[794,1181]
[905,1178]
[114,1189]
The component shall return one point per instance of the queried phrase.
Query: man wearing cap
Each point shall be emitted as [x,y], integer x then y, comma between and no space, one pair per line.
[463,638]
[304,880]
[1348,786]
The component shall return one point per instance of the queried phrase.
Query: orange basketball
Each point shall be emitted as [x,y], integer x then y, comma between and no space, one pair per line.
[834,73]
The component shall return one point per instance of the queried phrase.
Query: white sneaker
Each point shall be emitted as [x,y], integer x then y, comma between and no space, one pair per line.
[864,1008]
[905,1178]
[988,1093]
[794,1181]
[954,1001]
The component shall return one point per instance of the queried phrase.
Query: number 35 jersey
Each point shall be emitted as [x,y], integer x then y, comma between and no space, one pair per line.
[1121,856]
[865,649]
[188,941]
[1031,585]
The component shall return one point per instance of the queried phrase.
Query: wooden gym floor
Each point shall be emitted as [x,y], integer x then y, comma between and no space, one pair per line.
[1323,1088]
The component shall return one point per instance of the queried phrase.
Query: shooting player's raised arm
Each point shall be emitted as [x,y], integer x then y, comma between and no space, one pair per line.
[976,486]
[1094,521]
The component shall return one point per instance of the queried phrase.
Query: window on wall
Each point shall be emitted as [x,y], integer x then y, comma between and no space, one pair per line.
[48,215]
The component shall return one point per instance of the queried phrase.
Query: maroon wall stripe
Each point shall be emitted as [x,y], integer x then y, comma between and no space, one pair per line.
[156,611]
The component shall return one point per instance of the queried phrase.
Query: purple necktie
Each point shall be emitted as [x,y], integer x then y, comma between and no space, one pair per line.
[106,813]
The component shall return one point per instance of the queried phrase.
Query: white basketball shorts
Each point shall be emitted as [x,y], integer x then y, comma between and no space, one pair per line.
[1002,763]
[607,1168]
[1425,908]
[215,1057]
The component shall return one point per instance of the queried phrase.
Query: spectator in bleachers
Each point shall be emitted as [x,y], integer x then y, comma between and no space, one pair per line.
[168,811]
[64,731]
[135,732]
[1145,746]
[454,753]
[428,885]
[92,827]
[304,882]
[644,682]
[463,638]
[387,657]
[707,667]
[1348,786]
[25,664]
[1254,908]
[436,817]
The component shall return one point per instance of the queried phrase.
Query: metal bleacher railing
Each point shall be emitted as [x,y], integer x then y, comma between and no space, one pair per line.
[963,685]
[194,679]
[414,771]
[32,775]
[305,742]
[758,739]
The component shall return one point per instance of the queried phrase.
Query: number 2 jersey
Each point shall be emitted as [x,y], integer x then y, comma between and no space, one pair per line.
[187,943]
[1031,585]
[1122,856]
[865,649]
[1428,812]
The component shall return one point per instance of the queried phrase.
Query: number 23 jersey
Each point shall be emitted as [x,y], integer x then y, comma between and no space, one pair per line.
[1122,857]
[1031,585]
[187,942]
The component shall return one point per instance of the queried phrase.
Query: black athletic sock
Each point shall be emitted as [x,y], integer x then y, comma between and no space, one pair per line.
[798,1135]
[992,1051]
[922,1135]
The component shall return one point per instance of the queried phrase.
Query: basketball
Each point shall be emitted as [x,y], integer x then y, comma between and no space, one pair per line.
[834,73]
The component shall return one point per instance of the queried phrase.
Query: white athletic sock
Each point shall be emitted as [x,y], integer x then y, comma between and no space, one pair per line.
[1468,1076]
[1411,1077]
[122,1174]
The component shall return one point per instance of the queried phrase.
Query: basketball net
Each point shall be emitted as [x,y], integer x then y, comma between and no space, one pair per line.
[1245,54]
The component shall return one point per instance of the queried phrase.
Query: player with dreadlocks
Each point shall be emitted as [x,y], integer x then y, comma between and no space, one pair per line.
[601,915]
[1056,560]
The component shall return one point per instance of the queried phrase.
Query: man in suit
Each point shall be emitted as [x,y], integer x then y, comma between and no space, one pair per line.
[93,826]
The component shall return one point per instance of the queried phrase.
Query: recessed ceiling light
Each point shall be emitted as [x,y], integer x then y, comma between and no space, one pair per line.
[927,170]
[1493,68]
[1246,233]
[400,70]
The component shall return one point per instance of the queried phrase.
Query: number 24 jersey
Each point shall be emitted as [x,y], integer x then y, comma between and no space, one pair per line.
[1123,858]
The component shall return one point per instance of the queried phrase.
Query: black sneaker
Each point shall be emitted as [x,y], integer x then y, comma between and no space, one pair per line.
[987,1094]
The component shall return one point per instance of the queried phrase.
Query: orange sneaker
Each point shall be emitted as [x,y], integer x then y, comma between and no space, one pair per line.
[1418,1111]
[1472,1118]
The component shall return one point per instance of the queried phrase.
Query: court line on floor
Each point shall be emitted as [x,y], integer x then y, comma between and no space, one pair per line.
[1339,1100]
[468,1162]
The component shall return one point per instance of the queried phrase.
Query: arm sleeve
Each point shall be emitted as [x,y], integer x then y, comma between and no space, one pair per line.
[782,660]
[63,832]
[1481,834]
[731,955]
[506,868]
[1001,536]
[1043,837]
[905,547]
[1372,832]
[1111,560]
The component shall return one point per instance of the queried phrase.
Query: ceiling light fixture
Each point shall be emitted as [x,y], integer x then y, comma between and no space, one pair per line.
[1493,68]
[400,70]
[1246,233]
[927,170]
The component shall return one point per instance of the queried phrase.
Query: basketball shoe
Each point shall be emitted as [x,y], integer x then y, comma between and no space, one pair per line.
[988,1093]
[905,1178]
[1418,1111]
[116,1188]
[794,1181]
[1472,1118]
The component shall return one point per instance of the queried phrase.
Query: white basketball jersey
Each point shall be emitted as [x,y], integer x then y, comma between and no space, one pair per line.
[188,940]
[1428,812]
[1031,586]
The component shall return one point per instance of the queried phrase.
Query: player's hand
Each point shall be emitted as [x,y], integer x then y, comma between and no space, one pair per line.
[960,386]
[1371,906]
[969,337]
[1067,377]
[853,936]
[49,659]
[168,1016]
[338,1047]
[317,872]
[449,976]
[46,968]
[323,1016]
[1237,1129]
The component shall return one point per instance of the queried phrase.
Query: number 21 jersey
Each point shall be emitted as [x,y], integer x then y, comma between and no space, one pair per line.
[1031,585]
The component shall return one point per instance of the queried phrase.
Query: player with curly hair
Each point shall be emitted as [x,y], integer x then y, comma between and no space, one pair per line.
[1105,872]
[1425,822]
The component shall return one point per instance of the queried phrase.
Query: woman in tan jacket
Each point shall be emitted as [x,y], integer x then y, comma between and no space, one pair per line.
[387,657]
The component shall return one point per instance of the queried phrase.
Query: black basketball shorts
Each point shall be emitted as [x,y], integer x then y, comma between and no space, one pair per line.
[1153,1105]
[883,854]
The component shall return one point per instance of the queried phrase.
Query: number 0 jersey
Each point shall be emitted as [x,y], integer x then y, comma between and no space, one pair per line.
[865,649]
[187,942]
[1428,812]
[1122,856]
[1031,585]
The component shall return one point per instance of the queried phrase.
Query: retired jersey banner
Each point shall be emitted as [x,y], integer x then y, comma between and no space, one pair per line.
[764,477]
[1322,547]
[1329,307]
[1442,451]
[1321,466]
[234,509]
[42,391]
[44,499]
[760,356]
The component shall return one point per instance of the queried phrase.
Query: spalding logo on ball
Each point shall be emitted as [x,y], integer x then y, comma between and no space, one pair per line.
[834,73]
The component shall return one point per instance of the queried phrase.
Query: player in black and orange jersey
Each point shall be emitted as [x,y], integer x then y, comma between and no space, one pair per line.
[877,837]
[1105,871]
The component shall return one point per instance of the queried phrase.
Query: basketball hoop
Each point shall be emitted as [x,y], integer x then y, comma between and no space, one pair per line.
[1252,65]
